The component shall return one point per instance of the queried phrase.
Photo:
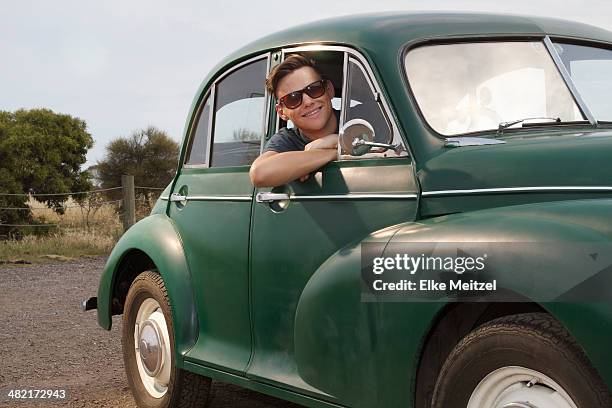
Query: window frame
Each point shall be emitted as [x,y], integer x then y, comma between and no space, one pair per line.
[545,39]
[210,92]
[555,39]
[380,96]
[375,93]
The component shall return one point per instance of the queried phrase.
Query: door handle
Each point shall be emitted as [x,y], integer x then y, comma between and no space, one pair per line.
[271,197]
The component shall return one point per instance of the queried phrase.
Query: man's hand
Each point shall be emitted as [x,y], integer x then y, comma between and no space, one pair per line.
[327,142]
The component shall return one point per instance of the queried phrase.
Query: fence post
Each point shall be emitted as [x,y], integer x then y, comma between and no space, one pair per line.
[129,201]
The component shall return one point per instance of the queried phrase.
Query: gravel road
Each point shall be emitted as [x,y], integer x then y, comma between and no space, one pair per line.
[47,342]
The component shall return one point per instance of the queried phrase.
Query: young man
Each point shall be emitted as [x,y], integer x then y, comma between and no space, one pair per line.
[305,99]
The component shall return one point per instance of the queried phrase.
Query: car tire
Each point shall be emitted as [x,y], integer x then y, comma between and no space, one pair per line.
[150,363]
[525,360]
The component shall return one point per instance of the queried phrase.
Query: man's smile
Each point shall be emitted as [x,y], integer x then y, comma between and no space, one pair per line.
[312,112]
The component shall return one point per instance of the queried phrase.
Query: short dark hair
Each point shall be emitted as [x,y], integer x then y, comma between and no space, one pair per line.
[293,62]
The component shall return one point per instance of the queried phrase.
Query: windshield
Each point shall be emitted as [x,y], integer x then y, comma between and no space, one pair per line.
[591,72]
[471,87]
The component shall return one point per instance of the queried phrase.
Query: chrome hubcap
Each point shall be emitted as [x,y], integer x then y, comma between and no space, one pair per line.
[150,346]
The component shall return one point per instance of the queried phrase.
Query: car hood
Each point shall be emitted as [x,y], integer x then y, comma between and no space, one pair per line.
[540,160]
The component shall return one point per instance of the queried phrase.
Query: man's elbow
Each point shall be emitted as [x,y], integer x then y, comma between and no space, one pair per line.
[259,177]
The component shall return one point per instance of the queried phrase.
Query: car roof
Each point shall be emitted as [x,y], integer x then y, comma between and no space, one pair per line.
[390,30]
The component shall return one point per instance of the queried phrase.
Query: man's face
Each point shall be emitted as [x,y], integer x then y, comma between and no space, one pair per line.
[313,114]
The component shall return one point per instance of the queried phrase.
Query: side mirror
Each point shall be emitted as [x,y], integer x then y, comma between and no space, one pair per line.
[353,135]
[357,139]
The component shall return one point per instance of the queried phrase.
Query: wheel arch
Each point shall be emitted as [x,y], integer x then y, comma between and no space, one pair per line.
[453,322]
[151,244]
[580,221]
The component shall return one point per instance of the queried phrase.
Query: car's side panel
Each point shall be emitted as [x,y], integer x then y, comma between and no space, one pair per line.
[214,225]
[156,237]
[367,353]
[352,349]
[342,203]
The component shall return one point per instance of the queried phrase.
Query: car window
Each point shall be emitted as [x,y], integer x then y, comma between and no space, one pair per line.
[365,102]
[362,104]
[591,72]
[239,116]
[470,87]
[196,154]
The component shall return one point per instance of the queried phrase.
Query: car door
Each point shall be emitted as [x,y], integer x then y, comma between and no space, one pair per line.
[291,238]
[211,208]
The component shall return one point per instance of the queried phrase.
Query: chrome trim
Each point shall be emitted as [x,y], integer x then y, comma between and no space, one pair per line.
[301,198]
[267,96]
[568,80]
[269,197]
[345,102]
[352,196]
[218,198]
[515,190]
[471,141]
[213,104]
[177,198]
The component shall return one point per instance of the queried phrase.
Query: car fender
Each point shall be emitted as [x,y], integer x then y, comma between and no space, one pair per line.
[156,237]
[379,343]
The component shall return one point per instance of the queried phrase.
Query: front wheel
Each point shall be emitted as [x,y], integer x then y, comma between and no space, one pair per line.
[148,350]
[521,361]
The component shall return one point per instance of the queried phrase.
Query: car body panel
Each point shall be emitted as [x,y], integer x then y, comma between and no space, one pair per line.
[377,341]
[156,237]
[214,227]
[330,211]
[546,166]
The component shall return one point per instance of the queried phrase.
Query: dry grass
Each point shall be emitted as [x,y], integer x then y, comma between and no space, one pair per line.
[77,233]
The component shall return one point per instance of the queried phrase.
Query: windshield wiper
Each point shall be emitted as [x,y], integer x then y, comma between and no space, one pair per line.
[505,125]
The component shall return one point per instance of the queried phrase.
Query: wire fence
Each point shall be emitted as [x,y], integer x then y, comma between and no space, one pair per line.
[96,209]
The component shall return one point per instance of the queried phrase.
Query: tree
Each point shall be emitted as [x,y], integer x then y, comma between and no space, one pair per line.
[41,152]
[150,155]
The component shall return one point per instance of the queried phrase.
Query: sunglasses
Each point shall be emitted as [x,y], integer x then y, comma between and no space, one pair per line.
[294,99]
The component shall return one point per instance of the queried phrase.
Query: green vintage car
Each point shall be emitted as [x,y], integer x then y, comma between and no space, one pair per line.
[476,129]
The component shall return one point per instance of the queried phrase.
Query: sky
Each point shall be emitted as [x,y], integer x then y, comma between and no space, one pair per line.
[124,65]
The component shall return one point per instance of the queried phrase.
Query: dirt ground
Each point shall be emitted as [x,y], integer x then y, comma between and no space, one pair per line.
[47,342]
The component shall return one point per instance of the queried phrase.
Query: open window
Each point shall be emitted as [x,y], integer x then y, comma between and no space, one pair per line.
[356,97]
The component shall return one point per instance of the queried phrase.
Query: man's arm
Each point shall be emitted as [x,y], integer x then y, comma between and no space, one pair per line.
[274,169]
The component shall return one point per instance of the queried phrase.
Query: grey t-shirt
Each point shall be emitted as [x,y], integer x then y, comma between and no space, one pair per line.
[290,140]
[287,140]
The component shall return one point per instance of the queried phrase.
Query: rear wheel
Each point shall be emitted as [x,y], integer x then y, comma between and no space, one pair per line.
[522,361]
[148,350]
